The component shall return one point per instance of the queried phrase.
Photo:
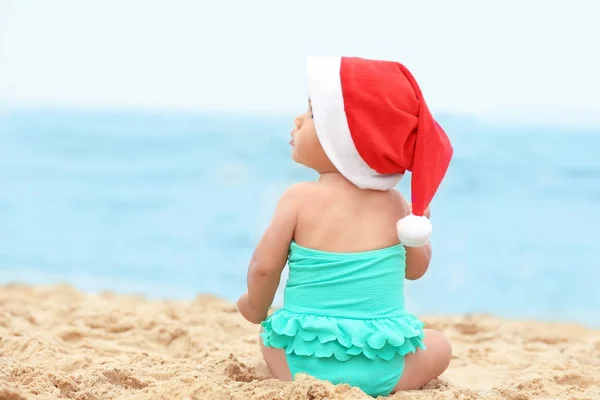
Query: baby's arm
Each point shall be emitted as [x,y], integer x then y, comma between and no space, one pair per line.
[269,259]
[417,258]
[417,261]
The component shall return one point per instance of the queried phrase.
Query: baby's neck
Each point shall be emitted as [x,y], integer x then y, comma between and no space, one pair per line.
[332,176]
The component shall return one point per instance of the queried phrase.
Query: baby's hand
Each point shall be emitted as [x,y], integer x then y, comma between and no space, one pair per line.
[251,314]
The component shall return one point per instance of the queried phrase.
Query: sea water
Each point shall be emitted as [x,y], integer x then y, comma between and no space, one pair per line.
[172,205]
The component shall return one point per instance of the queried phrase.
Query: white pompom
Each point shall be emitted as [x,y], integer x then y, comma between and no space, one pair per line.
[414,231]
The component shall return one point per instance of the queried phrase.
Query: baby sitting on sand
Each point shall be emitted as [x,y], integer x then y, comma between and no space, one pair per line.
[350,238]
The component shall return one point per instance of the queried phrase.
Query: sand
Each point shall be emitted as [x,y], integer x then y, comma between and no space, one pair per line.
[56,342]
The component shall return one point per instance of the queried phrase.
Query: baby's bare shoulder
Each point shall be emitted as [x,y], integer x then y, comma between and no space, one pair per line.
[299,193]
[400,202]
[398,196]
[290,203]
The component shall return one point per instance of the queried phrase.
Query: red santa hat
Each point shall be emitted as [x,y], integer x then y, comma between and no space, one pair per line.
[374,125]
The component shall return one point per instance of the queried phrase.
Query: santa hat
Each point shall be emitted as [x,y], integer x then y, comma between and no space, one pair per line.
[374,125]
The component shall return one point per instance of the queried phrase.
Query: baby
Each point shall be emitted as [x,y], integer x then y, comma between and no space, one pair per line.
[349,238]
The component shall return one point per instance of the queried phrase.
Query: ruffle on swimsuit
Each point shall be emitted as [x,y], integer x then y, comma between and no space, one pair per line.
[342,338]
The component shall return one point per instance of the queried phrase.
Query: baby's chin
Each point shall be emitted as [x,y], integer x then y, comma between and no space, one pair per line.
[311,162]
[298,158]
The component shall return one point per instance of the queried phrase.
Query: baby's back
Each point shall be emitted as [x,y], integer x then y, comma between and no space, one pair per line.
[336,216]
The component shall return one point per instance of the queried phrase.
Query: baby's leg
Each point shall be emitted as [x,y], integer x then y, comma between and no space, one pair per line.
[425,365]
[276,361]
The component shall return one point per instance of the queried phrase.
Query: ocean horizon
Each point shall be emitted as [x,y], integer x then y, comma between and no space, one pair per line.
[171,205]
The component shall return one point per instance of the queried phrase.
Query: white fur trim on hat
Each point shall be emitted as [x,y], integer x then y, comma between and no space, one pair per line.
[414,231]
[325,92]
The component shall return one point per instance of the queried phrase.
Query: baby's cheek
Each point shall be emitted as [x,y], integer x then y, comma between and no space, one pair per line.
[297,143]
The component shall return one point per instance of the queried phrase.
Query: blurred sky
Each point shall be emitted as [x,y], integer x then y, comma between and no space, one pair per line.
[507,59]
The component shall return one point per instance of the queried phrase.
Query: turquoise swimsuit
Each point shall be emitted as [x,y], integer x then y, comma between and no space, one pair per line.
[343,318]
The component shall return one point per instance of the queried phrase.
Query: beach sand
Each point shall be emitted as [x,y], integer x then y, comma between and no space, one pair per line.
[56,342]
